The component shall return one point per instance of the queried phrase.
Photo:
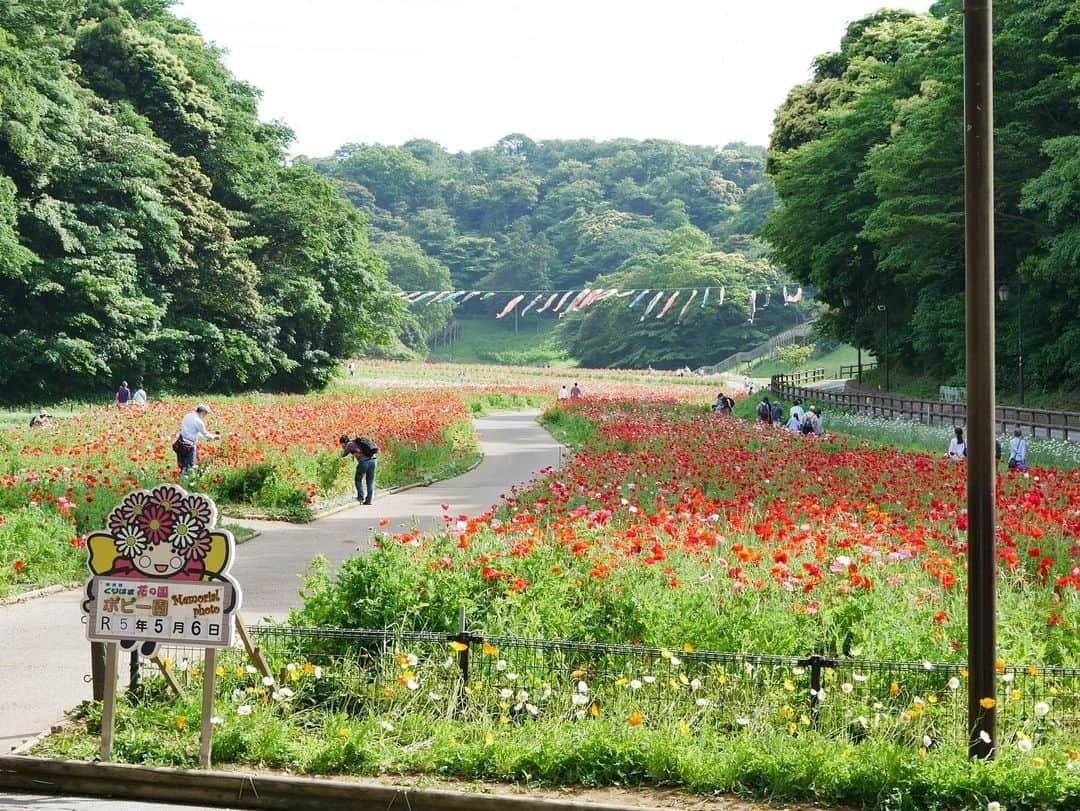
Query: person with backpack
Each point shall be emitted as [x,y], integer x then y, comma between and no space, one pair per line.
[777,413]
[364,451]
[764,411]
[811,421]
[1017,451]
[192,429]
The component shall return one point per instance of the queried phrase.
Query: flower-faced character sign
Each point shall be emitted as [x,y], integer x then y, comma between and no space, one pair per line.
[159,572]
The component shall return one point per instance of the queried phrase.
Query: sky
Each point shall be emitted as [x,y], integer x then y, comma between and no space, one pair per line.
[465,73]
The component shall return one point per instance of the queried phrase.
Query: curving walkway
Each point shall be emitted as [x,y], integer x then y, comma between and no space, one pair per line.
[47,656]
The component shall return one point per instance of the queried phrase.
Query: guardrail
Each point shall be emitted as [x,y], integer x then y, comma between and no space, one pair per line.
[1038,422]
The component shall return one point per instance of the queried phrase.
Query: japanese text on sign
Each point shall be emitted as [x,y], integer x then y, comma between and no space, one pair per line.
[174,612]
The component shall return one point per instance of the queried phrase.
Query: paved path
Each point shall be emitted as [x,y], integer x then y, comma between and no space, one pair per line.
[46,656]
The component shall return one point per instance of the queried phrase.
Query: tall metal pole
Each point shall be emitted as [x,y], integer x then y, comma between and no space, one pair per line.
[1020,336]
[979,280]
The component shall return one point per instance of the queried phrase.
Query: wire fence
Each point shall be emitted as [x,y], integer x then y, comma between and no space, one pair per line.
[470,675]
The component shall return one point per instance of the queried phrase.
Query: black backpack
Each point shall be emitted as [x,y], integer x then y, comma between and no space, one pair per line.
[764,411]
[367,446]
[808,423]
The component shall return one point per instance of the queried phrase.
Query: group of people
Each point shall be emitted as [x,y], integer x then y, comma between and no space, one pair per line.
[125,396]
[571,394]
[193,428]
[800,420]
[1017,449]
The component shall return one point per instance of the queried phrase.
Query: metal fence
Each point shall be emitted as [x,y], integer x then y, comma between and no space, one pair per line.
[1039,422]
[471,675]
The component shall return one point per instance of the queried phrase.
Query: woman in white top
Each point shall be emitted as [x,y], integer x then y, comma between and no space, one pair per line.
[957,446]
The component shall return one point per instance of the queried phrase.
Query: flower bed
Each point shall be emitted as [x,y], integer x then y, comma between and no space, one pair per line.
[277,455]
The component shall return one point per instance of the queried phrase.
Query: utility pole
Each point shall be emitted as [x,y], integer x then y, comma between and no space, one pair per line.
[979,295]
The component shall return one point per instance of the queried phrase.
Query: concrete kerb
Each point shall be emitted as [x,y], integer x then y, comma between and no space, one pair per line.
[390,491]
[239,790]
[42,592]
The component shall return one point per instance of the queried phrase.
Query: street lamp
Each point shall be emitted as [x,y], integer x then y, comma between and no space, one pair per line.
[884,308]
[1003,295]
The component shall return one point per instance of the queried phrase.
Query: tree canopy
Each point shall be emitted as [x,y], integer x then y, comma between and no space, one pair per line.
[559,215]
[867,158]
[150,225]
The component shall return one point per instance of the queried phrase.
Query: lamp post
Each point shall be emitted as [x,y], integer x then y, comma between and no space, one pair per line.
[1003,295]
[884,308]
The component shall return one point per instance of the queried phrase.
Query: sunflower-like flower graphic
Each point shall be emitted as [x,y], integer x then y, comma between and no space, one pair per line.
[130,541]
[156,523]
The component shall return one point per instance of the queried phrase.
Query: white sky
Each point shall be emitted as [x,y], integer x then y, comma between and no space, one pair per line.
[467,72]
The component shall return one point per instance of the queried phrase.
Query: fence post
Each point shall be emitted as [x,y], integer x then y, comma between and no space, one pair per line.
[816,664]
[463,654]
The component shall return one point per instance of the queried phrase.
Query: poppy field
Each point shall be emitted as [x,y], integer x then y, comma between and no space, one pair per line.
[669,535]
[669,525]
[277,456]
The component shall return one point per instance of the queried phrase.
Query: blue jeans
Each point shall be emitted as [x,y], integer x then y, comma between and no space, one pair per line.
[365,471]
[186,458]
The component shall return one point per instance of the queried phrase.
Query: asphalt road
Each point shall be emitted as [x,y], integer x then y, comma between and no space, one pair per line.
[45,666]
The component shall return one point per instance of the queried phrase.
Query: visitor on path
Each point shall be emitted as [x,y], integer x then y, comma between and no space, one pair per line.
[139,397]
[352,368]
[723,404]
[365,452]
[41,420]
[123,395]
[797,410]
[764,410]
[777,413]
[957,446]
[794,423]
[812,423]
[1017,450]
[575,392]
[564,394]
[192,429]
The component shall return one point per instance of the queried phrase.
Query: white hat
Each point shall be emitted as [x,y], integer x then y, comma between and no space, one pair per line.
[203,407]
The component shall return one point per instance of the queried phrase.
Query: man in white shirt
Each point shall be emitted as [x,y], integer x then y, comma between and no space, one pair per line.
[192,429]
[139,397]
[563,393]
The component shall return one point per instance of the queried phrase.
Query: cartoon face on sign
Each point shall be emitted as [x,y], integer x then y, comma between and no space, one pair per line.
[164,534]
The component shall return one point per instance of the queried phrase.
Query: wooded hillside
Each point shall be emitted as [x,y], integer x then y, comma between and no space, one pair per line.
[869,168]
[150,227]
[534,216]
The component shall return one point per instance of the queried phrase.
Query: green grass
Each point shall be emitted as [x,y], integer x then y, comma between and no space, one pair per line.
[316,731]
[831,362]
[486,340]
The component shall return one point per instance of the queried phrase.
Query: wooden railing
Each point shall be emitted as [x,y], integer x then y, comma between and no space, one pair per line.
[1037,422]
[849,371]
[799,378]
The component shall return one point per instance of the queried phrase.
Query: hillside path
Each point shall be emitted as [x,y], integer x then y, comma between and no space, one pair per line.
[46,653]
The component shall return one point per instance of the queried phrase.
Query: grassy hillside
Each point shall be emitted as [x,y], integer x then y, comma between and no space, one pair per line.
[528,342]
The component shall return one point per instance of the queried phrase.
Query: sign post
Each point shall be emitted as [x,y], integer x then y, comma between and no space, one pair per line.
[159,574]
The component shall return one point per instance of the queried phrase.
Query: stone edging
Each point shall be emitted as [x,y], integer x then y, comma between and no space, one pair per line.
[26,596]
[238,790]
